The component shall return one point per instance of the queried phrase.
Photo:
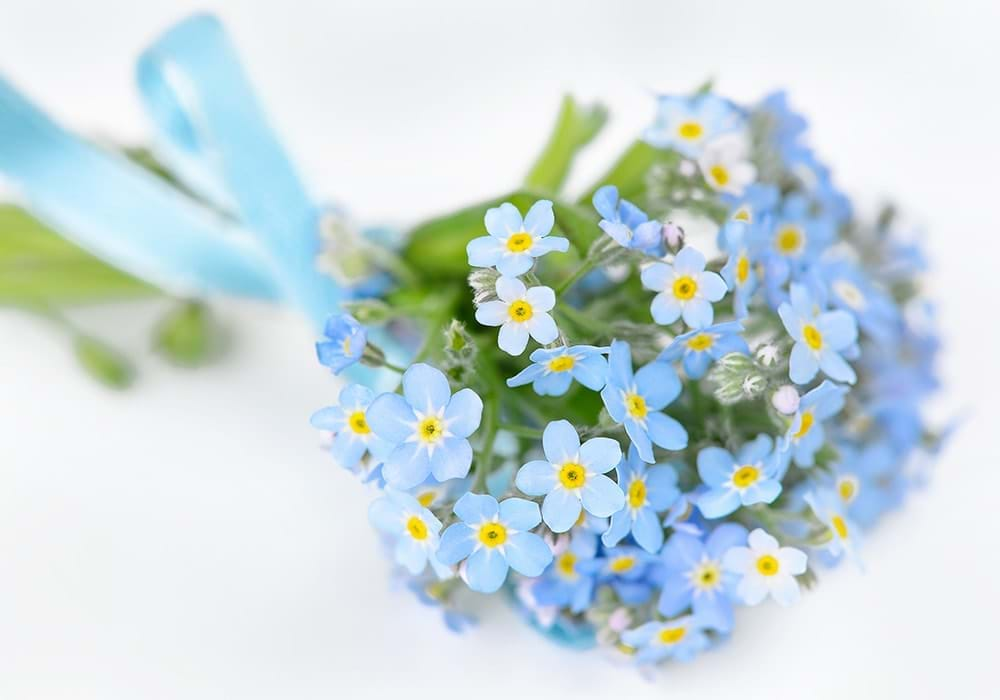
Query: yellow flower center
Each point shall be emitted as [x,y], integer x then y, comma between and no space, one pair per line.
[492,534]
[685,287]
[572,475]
[851,295]
[417,528]
[767,565]
[742,269]
[690,131]
[563,363]
[743,214]
[566,564]
[719,175]
[620,565]
[346,346]
[812,336]
[746,476]
[847,488]
[426,498]
[636,406]
[701,342]
[706,576]
[637,493]
[519,242]
[520,311]
[839,526]
[789,240]
[804,426]
[672,635]
[358,423]
[430,429]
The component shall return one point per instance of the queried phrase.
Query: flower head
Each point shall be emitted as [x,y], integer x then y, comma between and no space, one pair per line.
[427,426]
[686,124]
[648,491]
[750,477]
[344,344]
[694,577]
[414,528]
[493,537]
[765,568]
[514,243]
[682,639]
[552,370]
[637,400]
[352,435]
[701,346]
[820,338]
[805,433]
[626,223]
[725,164]
[565,582]
[520,312]
[844,534]
[572,476]
[739,272]
[684,288]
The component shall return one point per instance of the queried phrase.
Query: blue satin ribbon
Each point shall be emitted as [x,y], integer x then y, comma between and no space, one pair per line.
[258,236]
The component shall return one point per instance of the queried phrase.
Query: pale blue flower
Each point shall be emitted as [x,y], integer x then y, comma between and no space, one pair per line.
[637,400]
[805,434]
[352,435]
[626,569]
[552,370]
[572,476]
[684,289]
[648,491]
[739,272]
[494,537]
[566,583]
[844,533]
[514,243]
[699,347]
[344,345]
[694,578]
[428,427]
[626,223]
[821,338]
[686,124]
[853,291]
[520,312]
[765,568]
[682,638]
[414,528]
[751,477]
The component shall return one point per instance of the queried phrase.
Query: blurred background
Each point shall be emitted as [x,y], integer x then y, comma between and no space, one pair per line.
[188,538]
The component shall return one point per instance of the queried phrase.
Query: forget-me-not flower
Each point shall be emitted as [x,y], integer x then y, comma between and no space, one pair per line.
[428,427]
[684,289]
[648,491]
[693,576]
[739,272]
[345,342]
[750,477]
[725,164]
[687,123]
[805,434]
[765,568]
[520,312]
[682,639]
[572,476]
[414,528]
[637,400]
[844,538]
[514,243]
[701,346]
[494,537]
[820,338]
[626,569]
[565,583]
[352,435]
[552,370]
[626,223]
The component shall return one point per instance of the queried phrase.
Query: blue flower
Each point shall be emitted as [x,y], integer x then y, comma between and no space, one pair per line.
[805,434]
[694,577]
[765,568]
[751,477]
[565,583]
[414,528]
[867,481]
[702,345]
[428,427]
[682,639]
[844,534]
[345,343]
[572,476]
[553,370]
[648,492]
[852,291]
[789,242]
[348,422]
[520,312]
[637,401]
[687,123]
[492,537]
[626,570]
[820,338]
[756,202]
[739,272]
[784,126]
[684,289]
[514,243]
[626,223]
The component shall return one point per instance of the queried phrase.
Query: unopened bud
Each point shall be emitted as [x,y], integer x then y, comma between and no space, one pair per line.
[768,355]
[786,400]
[673,235]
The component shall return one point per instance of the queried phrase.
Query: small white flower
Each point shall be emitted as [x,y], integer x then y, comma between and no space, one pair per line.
[520,312]
[766,569]
[725,164]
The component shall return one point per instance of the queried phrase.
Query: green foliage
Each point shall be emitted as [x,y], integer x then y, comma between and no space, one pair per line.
[575,127]
[188,336]
[102,362]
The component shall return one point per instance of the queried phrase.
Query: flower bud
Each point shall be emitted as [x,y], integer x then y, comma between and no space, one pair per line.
[786,400]
[768,355]
[673,235]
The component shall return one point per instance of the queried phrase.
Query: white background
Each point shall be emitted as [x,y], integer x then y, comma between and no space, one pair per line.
[187,539]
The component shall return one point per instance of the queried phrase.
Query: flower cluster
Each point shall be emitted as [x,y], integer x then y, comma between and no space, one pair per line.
[700,424]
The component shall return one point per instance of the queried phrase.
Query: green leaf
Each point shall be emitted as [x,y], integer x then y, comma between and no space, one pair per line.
[575,127]
[629,172]
[102,362]
[188,335]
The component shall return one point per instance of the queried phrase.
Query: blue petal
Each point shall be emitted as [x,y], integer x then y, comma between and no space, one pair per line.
[839,329]
[665,308]
[411,555]
[549,244]
[605,201]
[666,432]
[503,220]
[355,396]
[329,418]
[457,542]
[539,219]
[715,465]
[451,459]
[407,466]
[526,375]
[591,371]
[560,510]
[555,384]
[474,508]
[386,516]
[620,364]
[512,265]
[689,261]
[486,570]
[520,514]
[601,496]
[391,418]
[683,551]
[661,487]
[647,530]
[527,553]
[425,388]
[485,251]
[612,397]
[560,441]
[464,412]
[348,449]
[698,313]
[640,440]
[803,365]
[621,525]
[696,364]
[600,454]
[675,596]
[718,502]
[714,611]
[836,367]
[536,478]
[658,384]
[723,538]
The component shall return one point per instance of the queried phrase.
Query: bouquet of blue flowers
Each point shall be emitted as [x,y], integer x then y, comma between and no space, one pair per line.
[722,389]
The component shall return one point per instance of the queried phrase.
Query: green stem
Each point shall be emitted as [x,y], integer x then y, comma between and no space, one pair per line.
[589,263]
[393,367]
[483,464]
[521,431]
